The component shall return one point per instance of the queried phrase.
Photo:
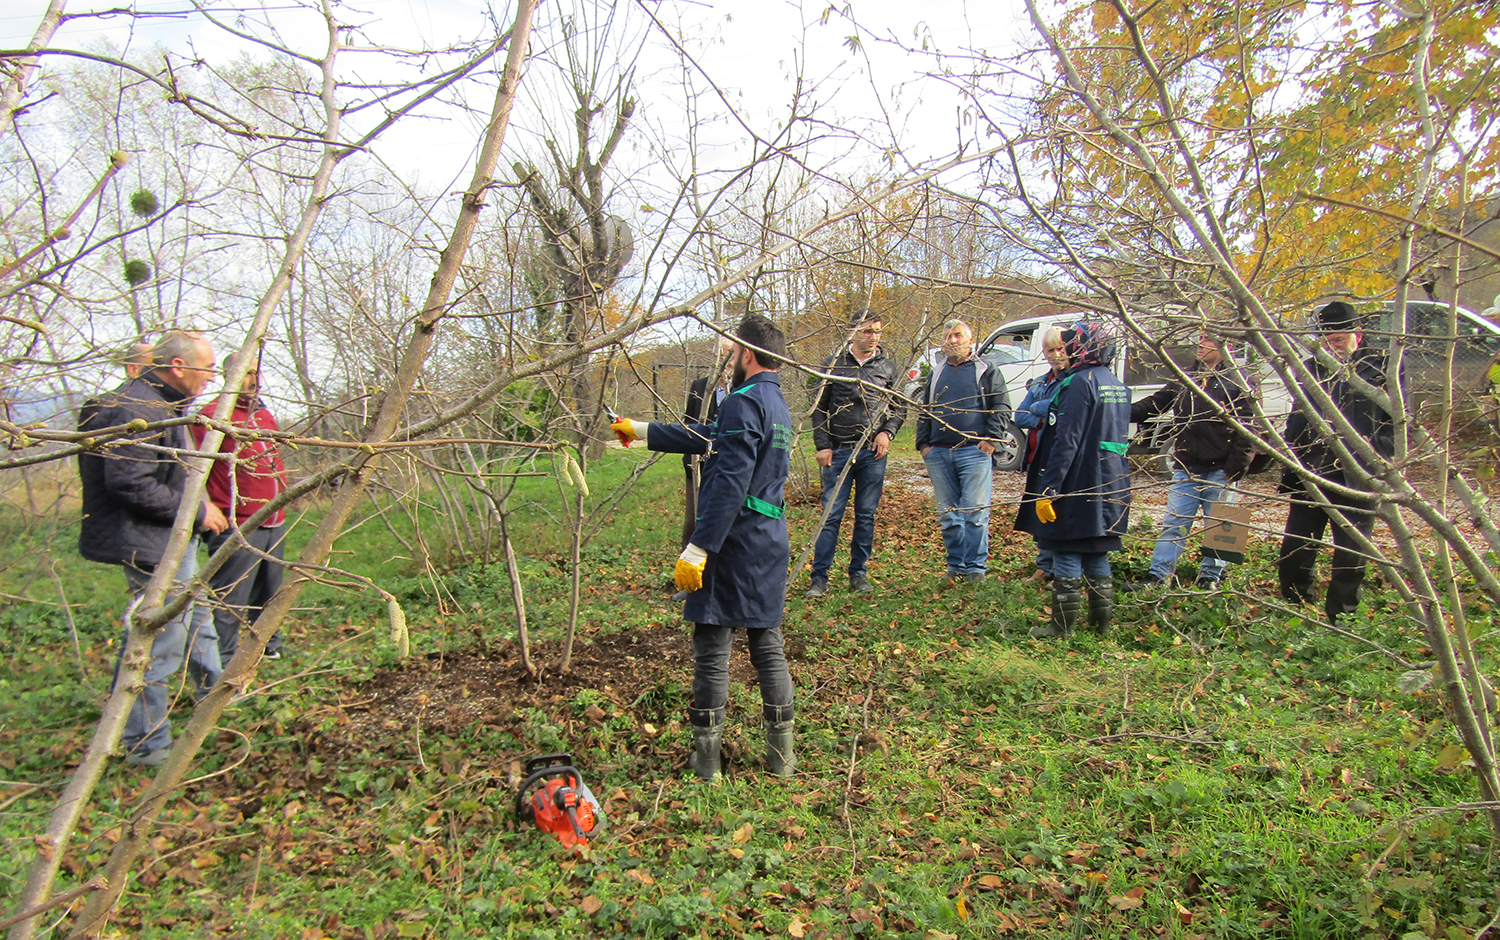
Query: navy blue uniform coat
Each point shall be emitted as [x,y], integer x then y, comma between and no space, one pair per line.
[1088,483]
[749,454]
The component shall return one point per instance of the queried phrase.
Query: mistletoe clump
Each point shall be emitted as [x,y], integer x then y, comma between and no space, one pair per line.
[137,272]
[143,203]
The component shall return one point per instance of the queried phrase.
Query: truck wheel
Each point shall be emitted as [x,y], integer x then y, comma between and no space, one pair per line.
[1011,450]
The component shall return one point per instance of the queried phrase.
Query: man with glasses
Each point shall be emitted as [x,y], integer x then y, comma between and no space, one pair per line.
[131,492]
[853,425]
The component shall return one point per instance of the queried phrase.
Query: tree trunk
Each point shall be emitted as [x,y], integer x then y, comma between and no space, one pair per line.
[15,89]
[241,669]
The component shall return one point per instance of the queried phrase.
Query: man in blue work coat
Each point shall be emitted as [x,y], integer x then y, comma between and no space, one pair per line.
[735,567]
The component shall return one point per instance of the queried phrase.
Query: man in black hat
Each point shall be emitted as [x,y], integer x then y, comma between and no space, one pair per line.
[1307,519]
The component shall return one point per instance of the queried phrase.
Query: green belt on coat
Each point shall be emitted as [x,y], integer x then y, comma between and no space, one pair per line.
[763,507]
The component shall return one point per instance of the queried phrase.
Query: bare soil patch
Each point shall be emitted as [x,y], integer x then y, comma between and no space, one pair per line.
[646,673]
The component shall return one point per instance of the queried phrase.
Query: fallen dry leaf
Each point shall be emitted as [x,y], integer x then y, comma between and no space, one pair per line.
[1184,915]
[1130,900]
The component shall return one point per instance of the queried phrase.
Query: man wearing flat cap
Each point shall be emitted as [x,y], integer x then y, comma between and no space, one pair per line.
[1307,519]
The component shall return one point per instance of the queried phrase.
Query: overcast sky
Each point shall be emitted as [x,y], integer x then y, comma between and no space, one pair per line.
[753,50]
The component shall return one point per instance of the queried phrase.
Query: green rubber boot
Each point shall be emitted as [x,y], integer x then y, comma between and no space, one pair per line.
[708,740]
[777,720]
[1101,595]
[1067,605]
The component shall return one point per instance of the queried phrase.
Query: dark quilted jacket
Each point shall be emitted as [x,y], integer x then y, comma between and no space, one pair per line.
[130,493]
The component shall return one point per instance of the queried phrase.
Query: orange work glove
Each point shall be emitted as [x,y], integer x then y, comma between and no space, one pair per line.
[629,430]
[689,571]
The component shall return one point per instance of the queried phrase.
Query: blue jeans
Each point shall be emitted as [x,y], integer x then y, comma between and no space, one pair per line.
[867,479]
[1044,559]
[1190,495]
[204,664]
[1077,564]
[148,728]
[962,478]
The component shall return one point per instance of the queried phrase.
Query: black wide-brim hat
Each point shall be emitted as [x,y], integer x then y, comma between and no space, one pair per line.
[1337,317]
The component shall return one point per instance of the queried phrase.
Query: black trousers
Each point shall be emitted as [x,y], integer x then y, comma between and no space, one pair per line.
[689,506]
[244,585]
[1305,524]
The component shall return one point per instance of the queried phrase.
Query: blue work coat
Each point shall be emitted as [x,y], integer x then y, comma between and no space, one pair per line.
[740,500]
[1081,466]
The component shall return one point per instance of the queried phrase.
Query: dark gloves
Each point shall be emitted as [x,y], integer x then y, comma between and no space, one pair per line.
[1290,484]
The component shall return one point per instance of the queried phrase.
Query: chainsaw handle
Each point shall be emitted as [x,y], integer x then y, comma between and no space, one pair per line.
[548,760]
[568,772]
[570,807]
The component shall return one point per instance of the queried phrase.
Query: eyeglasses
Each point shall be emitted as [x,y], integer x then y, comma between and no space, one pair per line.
[867,332]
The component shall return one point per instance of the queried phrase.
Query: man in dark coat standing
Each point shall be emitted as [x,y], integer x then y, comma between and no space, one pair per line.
[1306,518]
[1209,454]
[735,567]
[702,408]
[204,666]
[853,409]
[1078,485]
[131,493]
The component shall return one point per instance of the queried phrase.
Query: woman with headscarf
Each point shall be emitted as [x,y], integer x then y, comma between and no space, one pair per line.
[1031,416]
[1077,501]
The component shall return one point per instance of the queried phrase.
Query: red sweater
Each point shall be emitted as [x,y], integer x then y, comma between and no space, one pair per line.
[259,475]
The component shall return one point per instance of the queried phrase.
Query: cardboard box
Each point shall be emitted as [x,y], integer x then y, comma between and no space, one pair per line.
[1226,534]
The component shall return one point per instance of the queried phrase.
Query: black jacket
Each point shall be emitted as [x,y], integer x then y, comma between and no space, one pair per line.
[690,415]
[130,493]
[741,507]
[1369,419]
[1204,441]
[846,408]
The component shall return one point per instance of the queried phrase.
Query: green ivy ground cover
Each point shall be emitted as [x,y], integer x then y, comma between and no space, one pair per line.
[1216,767]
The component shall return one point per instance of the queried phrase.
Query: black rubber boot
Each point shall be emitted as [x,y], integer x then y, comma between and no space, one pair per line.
[1101,595]
[777,720]
[708,740]
[1067,605]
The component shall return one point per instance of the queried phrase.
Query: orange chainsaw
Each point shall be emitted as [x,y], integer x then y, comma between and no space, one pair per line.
[554,796]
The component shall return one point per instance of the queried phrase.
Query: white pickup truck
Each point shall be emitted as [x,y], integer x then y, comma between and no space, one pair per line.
[1015,350]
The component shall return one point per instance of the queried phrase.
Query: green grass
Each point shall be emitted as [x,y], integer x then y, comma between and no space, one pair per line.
[1212,769]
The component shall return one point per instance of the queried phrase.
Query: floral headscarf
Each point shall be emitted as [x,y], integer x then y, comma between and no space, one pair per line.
[1089,343]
